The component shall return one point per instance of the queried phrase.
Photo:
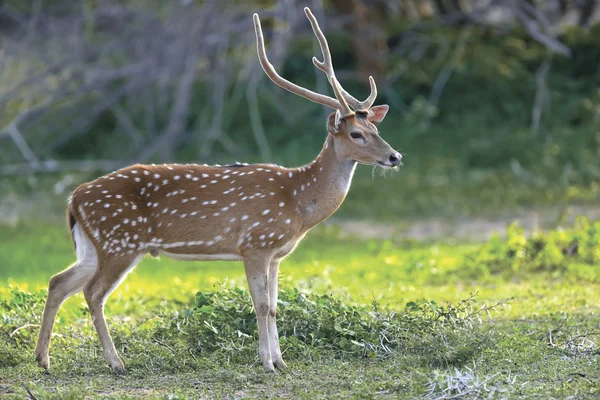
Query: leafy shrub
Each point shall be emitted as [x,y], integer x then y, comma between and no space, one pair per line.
[223,324]
[554,251]
[17,309]
[224,321]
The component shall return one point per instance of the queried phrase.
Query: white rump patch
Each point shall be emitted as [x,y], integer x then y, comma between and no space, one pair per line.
[84,249]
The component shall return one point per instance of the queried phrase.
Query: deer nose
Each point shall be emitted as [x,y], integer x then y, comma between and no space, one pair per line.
[395,158]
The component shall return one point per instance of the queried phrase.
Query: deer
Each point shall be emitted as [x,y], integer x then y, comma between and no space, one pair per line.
[254,213]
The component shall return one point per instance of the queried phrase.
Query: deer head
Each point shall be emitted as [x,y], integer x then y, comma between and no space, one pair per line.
[354,123]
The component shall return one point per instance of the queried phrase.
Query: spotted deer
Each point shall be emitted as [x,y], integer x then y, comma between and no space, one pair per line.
[252,213]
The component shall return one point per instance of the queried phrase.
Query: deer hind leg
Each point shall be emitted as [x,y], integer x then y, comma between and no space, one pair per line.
[257,274]
[62,286]
[110,272]
[273,334]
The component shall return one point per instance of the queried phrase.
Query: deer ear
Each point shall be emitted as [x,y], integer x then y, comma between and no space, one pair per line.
[377,113]
[334,121]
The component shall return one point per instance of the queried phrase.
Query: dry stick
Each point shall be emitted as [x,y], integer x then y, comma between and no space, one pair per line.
[125,121]
[534,31]
[541,94]
[154,340]
[21,144]
[12,130]
[30,395]
[255,118]
[22,327]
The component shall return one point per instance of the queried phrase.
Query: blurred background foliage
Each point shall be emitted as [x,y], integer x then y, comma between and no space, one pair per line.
[495,104]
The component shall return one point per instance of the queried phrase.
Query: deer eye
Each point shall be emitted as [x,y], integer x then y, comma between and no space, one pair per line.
[355,135]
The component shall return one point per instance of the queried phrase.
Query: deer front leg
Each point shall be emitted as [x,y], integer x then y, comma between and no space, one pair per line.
[273,334]
[257,274]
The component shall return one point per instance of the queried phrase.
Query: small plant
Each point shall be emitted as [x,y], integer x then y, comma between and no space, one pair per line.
[463,384]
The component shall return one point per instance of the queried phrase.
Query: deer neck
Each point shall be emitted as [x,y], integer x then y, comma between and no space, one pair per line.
[323,184]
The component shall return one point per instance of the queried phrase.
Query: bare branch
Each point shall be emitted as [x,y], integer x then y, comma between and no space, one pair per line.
[533,28]
[125,121]
[62,166]
[541,94]
[255,119]
[21,144]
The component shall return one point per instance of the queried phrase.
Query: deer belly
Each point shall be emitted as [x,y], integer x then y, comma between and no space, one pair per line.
[201,257]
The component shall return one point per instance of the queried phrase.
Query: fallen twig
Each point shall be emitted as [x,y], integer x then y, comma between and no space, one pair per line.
[22,327]
[158,342]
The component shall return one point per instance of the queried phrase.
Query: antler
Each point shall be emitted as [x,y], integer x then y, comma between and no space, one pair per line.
[327,67]
[339,103]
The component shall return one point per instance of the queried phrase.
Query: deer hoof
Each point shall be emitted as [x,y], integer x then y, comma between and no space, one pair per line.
[280,364]
[119,368]
[43,361]
[269,368]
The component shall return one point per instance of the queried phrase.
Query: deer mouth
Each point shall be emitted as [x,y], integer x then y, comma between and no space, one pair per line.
[386,165]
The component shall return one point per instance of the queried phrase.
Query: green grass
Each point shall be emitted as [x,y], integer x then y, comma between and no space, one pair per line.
[357,318]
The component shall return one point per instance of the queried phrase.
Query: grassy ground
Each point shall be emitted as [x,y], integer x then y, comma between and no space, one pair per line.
[357,318]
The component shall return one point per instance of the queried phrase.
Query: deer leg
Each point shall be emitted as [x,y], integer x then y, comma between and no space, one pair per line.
[273,334]
[61,287]
[257,274]
[107,277]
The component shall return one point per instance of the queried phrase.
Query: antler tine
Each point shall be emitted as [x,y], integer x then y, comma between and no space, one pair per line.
[287,85]
[327,67]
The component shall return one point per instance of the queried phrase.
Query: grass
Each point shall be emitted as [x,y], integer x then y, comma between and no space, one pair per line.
[515,317]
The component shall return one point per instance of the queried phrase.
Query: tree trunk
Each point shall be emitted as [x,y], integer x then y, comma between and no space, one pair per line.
[456,7]
[562,6]
[368,40]
[441,7]
[586,11]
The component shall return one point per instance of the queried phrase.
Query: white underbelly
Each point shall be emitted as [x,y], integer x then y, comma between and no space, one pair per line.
[202,257]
